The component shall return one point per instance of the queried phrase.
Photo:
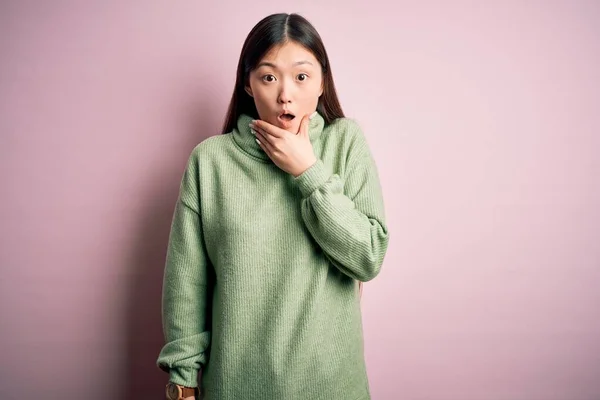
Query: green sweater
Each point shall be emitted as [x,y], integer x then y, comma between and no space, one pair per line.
[260,287]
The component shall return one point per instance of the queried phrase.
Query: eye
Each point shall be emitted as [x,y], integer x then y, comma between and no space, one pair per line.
[304,75]
[264,78]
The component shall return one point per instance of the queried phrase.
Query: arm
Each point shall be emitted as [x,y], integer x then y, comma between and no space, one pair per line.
[186,288]
[346,217]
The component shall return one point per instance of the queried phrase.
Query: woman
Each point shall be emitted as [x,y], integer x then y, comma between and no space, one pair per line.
[278,220]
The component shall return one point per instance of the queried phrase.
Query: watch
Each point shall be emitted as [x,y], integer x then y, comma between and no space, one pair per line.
[179,392]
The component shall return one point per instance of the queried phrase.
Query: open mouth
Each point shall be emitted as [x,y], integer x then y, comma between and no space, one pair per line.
[287,117]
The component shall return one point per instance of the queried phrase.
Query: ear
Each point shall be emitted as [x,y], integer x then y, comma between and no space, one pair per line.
[248,90]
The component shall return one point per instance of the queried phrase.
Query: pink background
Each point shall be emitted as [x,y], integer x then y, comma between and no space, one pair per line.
[483,117]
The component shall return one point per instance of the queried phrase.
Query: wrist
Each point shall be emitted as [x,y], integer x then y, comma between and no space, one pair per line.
[176,391]
[306,167]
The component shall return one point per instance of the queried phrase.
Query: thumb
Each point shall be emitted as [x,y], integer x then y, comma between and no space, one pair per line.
[303,130]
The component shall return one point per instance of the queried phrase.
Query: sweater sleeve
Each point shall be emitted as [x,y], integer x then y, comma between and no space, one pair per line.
[186,287]
[346,216]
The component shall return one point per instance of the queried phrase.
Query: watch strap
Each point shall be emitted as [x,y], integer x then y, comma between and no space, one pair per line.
[189,391]
[181,392]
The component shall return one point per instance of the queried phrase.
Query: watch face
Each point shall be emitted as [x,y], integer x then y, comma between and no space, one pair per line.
[172,391]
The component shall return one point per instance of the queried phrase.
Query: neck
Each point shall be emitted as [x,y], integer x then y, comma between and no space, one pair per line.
[246,140]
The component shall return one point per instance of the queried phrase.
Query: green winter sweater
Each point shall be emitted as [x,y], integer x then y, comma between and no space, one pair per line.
[260,287]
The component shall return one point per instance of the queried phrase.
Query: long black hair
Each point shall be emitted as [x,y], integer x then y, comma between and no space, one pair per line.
[274,30]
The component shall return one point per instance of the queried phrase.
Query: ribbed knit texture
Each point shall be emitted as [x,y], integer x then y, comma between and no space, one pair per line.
[261,279]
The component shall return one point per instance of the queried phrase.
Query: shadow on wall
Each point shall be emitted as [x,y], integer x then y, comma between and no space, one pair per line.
[143,379]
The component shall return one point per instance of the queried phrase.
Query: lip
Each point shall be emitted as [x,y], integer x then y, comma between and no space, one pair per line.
[285,124]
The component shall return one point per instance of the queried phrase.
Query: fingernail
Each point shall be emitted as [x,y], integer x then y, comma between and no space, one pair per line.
[257,141]
[253,132]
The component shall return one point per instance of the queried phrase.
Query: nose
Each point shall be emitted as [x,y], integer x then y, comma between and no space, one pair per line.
[284,93]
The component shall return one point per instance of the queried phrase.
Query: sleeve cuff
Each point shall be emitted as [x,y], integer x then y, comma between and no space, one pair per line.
[313,178]
[184,376]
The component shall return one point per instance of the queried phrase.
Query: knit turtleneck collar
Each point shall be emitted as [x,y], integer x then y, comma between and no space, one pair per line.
[246,140]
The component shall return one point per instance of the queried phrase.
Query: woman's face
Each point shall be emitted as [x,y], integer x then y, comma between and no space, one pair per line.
[287,80]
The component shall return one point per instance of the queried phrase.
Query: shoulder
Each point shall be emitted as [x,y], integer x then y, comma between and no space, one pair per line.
[199,162]
[209,149]
[202,156]
[346,125]
[208,145]
[349,133]
[348,128]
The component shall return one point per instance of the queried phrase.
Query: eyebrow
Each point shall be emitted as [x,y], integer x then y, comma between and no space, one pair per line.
[268,64]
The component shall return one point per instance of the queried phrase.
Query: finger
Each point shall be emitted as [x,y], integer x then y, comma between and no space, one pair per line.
[263,134]
[268,128]
[266,146]
[303,128]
